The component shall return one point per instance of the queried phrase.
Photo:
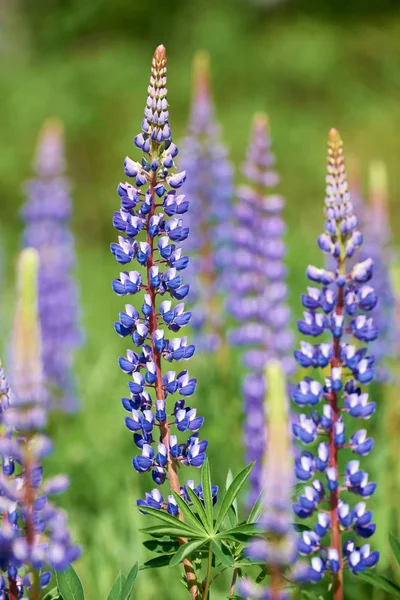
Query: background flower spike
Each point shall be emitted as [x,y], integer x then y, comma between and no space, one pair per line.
[46,216]
[277,546]
[210,189]
[258,300]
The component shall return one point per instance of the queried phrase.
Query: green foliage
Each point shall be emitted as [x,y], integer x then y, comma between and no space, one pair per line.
[225,536]
[69,585]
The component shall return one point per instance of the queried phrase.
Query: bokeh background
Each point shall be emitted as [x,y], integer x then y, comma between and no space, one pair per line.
[310,64]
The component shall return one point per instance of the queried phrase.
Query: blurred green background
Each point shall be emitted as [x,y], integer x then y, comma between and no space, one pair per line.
[310,64]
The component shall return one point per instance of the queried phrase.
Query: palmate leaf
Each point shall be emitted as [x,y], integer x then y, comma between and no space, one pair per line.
[207,495]
[69,584]
[157,562]
[130,582]
[166,530]
[222,553]
[162,546]
[52,594]
[381,582]
[240,533]
[229,479]
[117,587]
[161,515]
[199,509]
[188,515]
[395,545]
[232,493]
[185,550]
[257,509]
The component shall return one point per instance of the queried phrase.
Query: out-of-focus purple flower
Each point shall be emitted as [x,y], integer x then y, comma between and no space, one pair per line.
[34,533]
[46,215]
[277,546]
[259,291]
[210,189]
[339,308]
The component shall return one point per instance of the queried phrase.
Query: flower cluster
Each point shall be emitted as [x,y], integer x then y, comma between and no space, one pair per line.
[154,206]
[259,289]
[210,188]
[277,548]
[46,215]
[34,533]
[338,308]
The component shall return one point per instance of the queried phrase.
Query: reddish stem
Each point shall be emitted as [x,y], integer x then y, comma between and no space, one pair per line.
[333,462]
[29,523]
[160,395]
[13,589]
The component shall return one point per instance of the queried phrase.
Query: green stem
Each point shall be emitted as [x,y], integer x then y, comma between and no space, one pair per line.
[208,575]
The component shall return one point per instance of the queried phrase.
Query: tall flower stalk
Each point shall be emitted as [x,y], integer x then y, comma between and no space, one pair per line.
[210,188]
[277,548]
[259,291]
[46,215]
[152,208]
[34,533]
[340,310]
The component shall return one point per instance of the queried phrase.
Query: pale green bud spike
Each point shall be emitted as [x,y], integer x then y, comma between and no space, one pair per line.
[26,366]
[277,460]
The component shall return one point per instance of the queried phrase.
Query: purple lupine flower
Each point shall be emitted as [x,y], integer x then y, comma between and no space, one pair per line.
[46,215]
[210,189]
[153,203]
[34,533]
[277,547]
[258,299]
[337,309]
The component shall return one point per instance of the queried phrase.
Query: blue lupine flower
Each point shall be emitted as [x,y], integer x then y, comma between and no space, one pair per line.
[345,296]
[258,289]
[277,547]
[161,263]
[34,533]
[210,188]
[46,215]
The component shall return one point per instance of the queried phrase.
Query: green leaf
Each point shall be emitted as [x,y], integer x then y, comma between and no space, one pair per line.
[177,532]
[381,582]
[262,575]
[300,527]
[187,513]
[257,509]
[157,562]
[117,587]
[395,545]
[240,533]
[229,479]
[70,585]
[52,594]
[207,495]
[306,595]
[162,546]
[130,582]
[222,553]
[161,515]
[184,551]
[199,508]
[231,494]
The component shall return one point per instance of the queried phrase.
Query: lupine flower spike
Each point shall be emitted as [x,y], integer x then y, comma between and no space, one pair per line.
[46,215]
[259,291]
[210,189]
[277,549]
[154,205]
[34,534]
[339,308]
